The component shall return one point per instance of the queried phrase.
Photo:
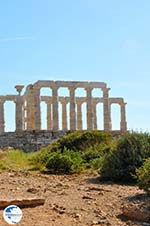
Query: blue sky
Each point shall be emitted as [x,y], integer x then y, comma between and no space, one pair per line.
[90,40]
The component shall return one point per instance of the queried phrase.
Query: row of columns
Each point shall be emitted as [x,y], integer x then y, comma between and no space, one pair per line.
[73,124]
[32,119]
[79,116]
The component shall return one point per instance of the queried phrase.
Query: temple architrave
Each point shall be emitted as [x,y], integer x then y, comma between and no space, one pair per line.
[28,106]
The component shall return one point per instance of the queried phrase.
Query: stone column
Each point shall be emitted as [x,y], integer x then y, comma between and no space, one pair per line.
[89,108]
[64,115]
[79,116]
[107,110]
[94,116]
[19,113]
[2,121]
[49,115]
[72,109]
[123,123]
[30,108]
[25,113]
[55,107]
[37,102]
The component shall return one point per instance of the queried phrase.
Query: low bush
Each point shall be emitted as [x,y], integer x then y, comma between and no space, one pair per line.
[143,176]
[122,160]
[96,163]
[66,162]
[87,145]
[80,141]
[38,160]
[94,156]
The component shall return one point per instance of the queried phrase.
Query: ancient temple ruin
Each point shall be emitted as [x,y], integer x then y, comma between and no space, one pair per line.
[28,108]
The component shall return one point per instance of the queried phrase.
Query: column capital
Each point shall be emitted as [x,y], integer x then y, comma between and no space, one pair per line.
[79,102]
[54,87]
[94,102]
[122,104]
[63,101]
[47,101]
[19,89]
[88,89]
[72,88]
[105,89]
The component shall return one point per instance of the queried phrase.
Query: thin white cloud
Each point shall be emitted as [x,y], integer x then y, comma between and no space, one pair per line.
[131,44]
[19,38]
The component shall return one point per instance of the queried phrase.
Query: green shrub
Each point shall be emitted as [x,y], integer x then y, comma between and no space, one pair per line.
[66,162]
[79,141]
[143,175]
[129,154]
[91,154]
[96,151]
[94,156]
[39,159]
[97,163]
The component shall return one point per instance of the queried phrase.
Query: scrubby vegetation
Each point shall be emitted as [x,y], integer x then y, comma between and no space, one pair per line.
[82,149]
[143,175]
[116,158]
[80,141]
[66,162]
[129,154]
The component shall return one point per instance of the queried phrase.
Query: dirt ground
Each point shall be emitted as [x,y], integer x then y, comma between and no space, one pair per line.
[76,200]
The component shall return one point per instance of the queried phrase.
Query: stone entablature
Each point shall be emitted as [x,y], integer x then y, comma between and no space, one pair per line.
[28,109]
